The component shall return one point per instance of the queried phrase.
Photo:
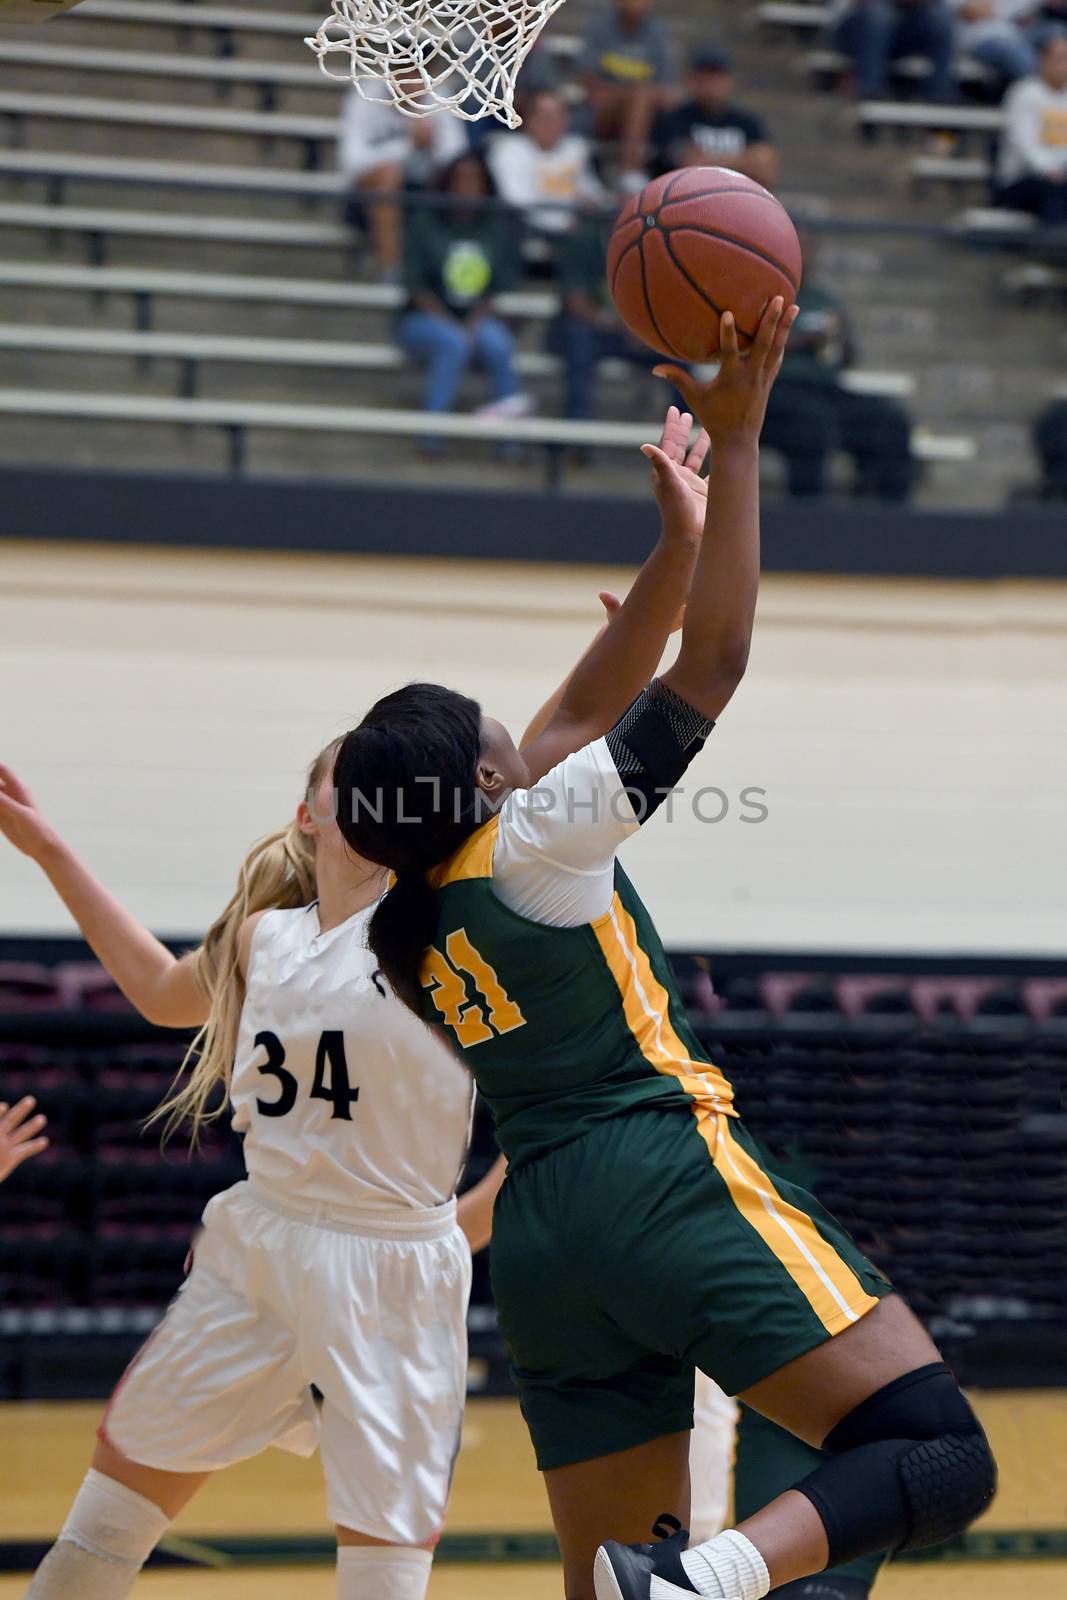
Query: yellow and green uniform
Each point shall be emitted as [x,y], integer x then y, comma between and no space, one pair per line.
[639,1233]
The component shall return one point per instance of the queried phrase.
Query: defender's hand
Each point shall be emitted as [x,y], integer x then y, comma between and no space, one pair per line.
[681,493]
[20,820]
[19,1132]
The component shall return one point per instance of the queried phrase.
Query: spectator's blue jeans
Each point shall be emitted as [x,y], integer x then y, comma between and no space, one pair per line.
[875,33]
[1007,51]
[582,344]
[447,348]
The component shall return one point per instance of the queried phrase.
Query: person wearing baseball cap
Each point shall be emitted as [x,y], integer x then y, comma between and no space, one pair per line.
[709,129]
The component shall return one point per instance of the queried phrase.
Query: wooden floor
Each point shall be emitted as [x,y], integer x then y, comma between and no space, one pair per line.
[45,1448]
[1009,1580]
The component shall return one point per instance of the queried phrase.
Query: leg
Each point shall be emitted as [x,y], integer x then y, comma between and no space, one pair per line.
[639,106]
[864,34]
[385,217]
[769,1461]
[372,1569]
[1025,194]
[929,30]
[801,425]
[494,347]
[1054,205]
[574,339]
[170,1491]
[1006,51]
[711,1459]
[877,433]
[1050,440]
[920,1482]
[393,1383]
[163,1434]
[443,347]
[625,1491]
[118,1517]
[843,1368]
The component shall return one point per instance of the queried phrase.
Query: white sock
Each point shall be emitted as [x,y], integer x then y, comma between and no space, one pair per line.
[382,1571]
[102,1546]
[728,1567]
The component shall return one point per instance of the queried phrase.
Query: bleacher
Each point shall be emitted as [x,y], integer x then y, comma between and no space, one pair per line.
[173,136]
[196,139]
[884,1088]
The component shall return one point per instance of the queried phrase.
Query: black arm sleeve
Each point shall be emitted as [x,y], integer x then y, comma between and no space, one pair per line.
[653,743]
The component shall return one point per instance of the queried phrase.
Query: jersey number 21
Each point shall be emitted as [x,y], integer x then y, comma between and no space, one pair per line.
[472,1022]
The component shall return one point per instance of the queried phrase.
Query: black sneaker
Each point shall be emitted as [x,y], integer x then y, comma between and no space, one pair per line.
[625,1571]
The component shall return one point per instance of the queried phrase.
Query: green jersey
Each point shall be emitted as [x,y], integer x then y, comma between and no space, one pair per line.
[562,1027]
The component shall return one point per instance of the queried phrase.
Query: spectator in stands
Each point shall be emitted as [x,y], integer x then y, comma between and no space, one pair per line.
[628,71]
[710,129]
[454,260]
[812,414]
[383,152]
[1032,162]
[876,33]
[20,1135]
[1050,440]
[994,33]
[545,162]
[588,329]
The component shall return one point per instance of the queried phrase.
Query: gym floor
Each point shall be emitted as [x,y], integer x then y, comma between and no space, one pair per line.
[259,1529]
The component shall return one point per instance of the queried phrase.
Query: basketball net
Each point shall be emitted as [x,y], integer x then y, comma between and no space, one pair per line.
[461,56]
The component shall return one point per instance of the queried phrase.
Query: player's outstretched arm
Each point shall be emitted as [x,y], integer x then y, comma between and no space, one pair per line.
[717,631]
[20,1135]
[163,987]
[627,650]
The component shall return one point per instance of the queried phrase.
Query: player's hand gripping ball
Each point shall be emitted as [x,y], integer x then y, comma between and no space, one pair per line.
[696,243]
[31,11]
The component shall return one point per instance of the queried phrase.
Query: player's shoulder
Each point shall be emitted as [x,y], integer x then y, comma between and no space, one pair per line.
[269,925]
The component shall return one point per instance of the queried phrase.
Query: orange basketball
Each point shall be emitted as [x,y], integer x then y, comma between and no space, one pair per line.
[696,243]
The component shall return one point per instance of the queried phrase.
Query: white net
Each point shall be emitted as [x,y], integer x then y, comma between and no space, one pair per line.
[461,56]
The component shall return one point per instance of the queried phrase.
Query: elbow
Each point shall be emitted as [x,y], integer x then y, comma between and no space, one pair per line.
[732,661]
[724,678]
[155,1013]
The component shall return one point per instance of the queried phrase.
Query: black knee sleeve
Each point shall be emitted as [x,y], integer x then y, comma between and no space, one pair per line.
[910,1467]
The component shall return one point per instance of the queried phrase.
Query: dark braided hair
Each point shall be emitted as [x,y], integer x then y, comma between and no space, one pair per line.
[407,798]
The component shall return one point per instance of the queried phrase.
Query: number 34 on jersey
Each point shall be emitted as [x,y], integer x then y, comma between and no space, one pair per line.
[492,1013]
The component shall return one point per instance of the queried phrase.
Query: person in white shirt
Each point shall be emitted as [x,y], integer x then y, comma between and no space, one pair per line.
[1032,162]
[381,151]
[543,163]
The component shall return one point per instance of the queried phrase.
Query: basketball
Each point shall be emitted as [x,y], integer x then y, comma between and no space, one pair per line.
[696,243]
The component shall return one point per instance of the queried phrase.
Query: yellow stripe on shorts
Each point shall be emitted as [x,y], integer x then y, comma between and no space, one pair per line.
[829,1285]
[647,1010]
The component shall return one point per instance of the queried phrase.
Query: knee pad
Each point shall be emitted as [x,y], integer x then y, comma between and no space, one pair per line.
[908,1467]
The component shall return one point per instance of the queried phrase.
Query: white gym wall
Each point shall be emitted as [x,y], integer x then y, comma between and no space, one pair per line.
[909,736]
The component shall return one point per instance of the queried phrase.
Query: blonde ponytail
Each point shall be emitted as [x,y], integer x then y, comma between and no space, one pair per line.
[277,874]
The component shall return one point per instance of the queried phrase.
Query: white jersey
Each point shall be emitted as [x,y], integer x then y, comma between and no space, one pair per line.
[345,1099]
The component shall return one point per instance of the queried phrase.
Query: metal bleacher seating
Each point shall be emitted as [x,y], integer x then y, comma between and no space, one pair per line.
[887,1090]
[310,133]
[796,17]
[265,78]
[272,165]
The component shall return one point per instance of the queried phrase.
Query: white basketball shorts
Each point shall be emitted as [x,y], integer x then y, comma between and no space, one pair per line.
[373,1311]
